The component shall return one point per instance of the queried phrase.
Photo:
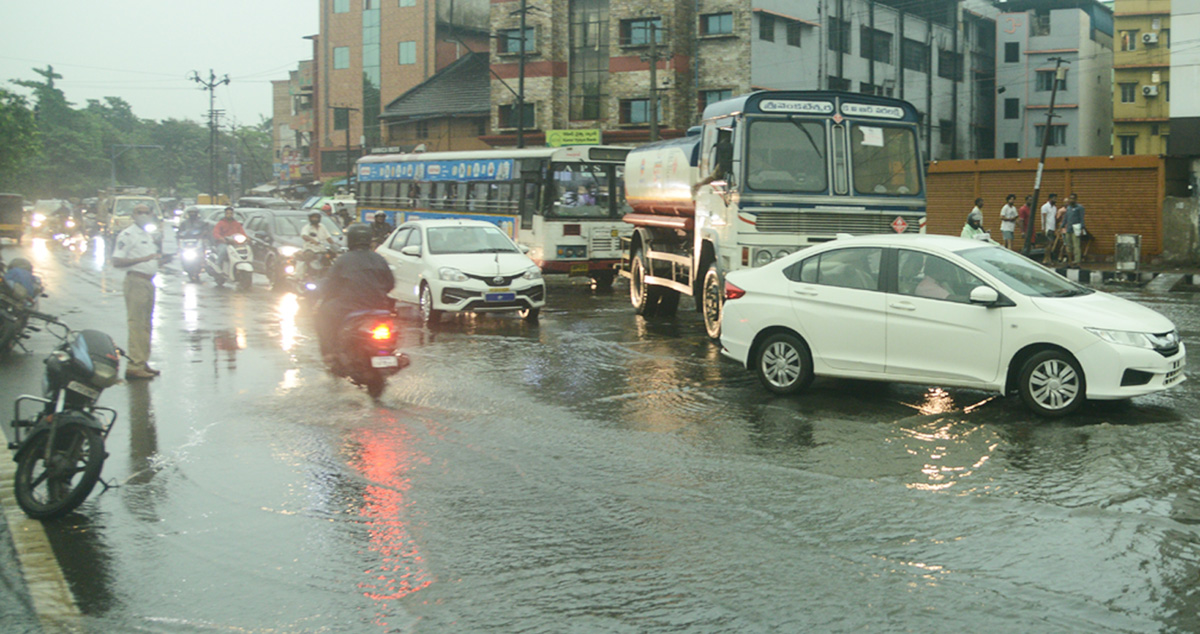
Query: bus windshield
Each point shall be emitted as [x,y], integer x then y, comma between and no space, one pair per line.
[584,190]
[786,155]
[884,160]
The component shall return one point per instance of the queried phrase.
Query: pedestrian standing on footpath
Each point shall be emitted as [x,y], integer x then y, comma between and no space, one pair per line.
[1075,229]
[1023,216]
[1049,214]
[1008,220]
[139,254]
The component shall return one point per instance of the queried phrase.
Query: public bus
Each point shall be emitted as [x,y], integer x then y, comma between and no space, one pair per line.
[765,174]
[565,204]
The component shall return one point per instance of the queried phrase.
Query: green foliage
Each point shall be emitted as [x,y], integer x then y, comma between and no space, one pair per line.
[55,150]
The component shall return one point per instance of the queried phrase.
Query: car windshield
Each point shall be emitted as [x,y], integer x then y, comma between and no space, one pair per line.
[469,240]
[124,206]
[1022,275]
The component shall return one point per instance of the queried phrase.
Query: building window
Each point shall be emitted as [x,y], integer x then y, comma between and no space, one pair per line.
[709,97]
[1129,40]
[341,6]
[341,57]
[914,55]
[508,116]
[1129,93]
[793,33]
[588,60]
[716,24]
[875,43]
[1128,144]
[408,53]
[766,27]
[839,35]
[1045,81]
[1058,135]
[837,83]
[950,65]
[510,41]
[1012,108]
[637,111]
[1153,129]
[421,130]
[1010,150]
[1012,52]
[1166,90]
[482,127]
[945,131]
[341,118]
[408,3]
[1040,24]
[637,32]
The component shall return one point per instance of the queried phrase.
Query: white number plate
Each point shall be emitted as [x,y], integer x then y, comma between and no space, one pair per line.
[384,362]
[76,386]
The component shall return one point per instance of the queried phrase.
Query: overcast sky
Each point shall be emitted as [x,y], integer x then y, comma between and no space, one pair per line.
[144,51]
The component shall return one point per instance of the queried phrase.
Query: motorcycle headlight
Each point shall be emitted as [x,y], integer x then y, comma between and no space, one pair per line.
[761,257]
[39,217]
[239,238]
[190,254]
[532,273]
[1124,337]
[288,251]
[451,274]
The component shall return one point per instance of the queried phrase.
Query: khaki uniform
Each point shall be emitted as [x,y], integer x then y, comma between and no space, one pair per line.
[139,290]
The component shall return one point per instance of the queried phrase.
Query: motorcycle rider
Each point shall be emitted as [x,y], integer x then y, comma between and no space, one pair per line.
[316,238]
[193,227]
[225,229]
[360,279]
[380,229]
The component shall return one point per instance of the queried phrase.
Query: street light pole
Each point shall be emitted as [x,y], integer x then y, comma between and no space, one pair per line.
[1059,74]
[211,86]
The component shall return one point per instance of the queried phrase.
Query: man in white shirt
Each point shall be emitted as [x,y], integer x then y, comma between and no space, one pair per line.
[1049,213]
[139,254]
[1008,220]
[316,239]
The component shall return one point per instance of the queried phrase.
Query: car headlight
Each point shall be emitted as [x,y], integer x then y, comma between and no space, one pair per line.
[38,217]
[451,274]
[288,251]
[532,273]
[761,257]
[1124,337]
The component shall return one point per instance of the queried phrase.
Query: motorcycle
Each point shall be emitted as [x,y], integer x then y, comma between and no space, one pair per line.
[19,294]
[239,264]
[365,351]
[316,267]
[60,447]
[192,256]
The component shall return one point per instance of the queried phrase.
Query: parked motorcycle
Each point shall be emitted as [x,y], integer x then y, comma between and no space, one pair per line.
[192,256]
[60,446]
[365,351]
[239,265]
[20,291]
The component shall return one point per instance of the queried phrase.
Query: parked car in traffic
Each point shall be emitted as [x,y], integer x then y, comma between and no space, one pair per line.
[276,239]
[445,266]
[944,311]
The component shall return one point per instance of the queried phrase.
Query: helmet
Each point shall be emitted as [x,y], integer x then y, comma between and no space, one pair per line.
[314,215]
[358,236]
[326,207]
[193,212]
[20,263]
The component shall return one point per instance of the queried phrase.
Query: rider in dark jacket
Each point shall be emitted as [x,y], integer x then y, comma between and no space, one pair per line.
[360,279]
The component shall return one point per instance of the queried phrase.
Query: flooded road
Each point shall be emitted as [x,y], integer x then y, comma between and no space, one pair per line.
[597,472]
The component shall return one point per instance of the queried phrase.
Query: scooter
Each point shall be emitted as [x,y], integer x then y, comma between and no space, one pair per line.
[365,351]
[316,267]
[60,446]
[191,254]
[20,291]
[239,263]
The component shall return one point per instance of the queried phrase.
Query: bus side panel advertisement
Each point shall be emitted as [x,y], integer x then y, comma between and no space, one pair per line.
[464,170]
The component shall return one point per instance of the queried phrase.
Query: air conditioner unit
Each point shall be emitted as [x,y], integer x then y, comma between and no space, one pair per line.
[1149,38]
[1149,91]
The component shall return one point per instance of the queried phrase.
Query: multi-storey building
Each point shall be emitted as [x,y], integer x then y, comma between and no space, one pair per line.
[1142,75]
[1185,68]
[292,116]
[1032,36]
[368,53]
[587,62]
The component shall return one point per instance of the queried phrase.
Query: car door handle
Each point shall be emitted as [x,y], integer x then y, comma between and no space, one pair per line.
[808,292]
[903,306]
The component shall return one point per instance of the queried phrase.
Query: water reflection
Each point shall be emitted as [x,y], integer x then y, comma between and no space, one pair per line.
[289,307]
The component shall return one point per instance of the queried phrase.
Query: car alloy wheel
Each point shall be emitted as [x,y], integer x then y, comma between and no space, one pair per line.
[784,364]
[1052,384]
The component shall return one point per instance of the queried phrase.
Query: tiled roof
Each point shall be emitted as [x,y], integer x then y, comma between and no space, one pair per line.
[461,88]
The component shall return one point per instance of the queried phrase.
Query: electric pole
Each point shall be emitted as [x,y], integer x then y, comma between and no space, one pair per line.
[652,57]
[1060,74]
[211,86]
[521,78]
[349,163]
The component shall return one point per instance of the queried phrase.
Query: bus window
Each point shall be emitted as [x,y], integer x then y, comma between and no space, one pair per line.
[477,196]
[618,192]
[885,160]
[450,195]
[839,160]
[581,190]
[389,193]
[414,195]
[505,201]
[786,155]
[529,203]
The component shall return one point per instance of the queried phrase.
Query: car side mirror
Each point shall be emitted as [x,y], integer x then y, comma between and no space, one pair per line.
[523,247]
[412,250]
[984,295]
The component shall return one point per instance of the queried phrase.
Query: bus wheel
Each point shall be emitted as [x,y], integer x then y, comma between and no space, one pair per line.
[712,298]
[644,297]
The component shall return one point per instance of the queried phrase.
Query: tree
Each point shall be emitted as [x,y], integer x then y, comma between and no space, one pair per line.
[18,137]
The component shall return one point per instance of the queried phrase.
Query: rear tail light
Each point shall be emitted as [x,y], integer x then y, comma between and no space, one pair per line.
[732,292]
[381,332]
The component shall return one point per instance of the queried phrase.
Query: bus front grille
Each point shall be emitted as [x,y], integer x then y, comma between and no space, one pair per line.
[825,223]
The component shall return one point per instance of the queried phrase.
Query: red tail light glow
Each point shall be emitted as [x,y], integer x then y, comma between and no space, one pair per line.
[382,331]
[732,292]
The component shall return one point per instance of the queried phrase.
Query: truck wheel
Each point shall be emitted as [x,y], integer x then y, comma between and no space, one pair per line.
[711,299]
[644,297]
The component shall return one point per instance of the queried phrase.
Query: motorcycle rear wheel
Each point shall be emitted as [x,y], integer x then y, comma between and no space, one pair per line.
[374,382]
[50,488]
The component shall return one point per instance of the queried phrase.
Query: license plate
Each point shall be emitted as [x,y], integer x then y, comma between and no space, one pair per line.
[76,386]
[384,362]
[578,269]
[499,297]
[499,290]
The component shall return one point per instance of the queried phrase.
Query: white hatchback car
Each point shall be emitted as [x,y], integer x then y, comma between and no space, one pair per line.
[945,311]
[462,266]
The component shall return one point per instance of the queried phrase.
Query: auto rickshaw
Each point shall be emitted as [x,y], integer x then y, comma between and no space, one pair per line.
[12,217]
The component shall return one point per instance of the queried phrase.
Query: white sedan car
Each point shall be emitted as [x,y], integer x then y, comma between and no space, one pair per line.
[462,266]
[944,311]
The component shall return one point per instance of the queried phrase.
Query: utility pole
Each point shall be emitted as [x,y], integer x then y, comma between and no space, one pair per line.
[1059,74]
[349,163]
[521,78]
[211,86]
[652,57]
